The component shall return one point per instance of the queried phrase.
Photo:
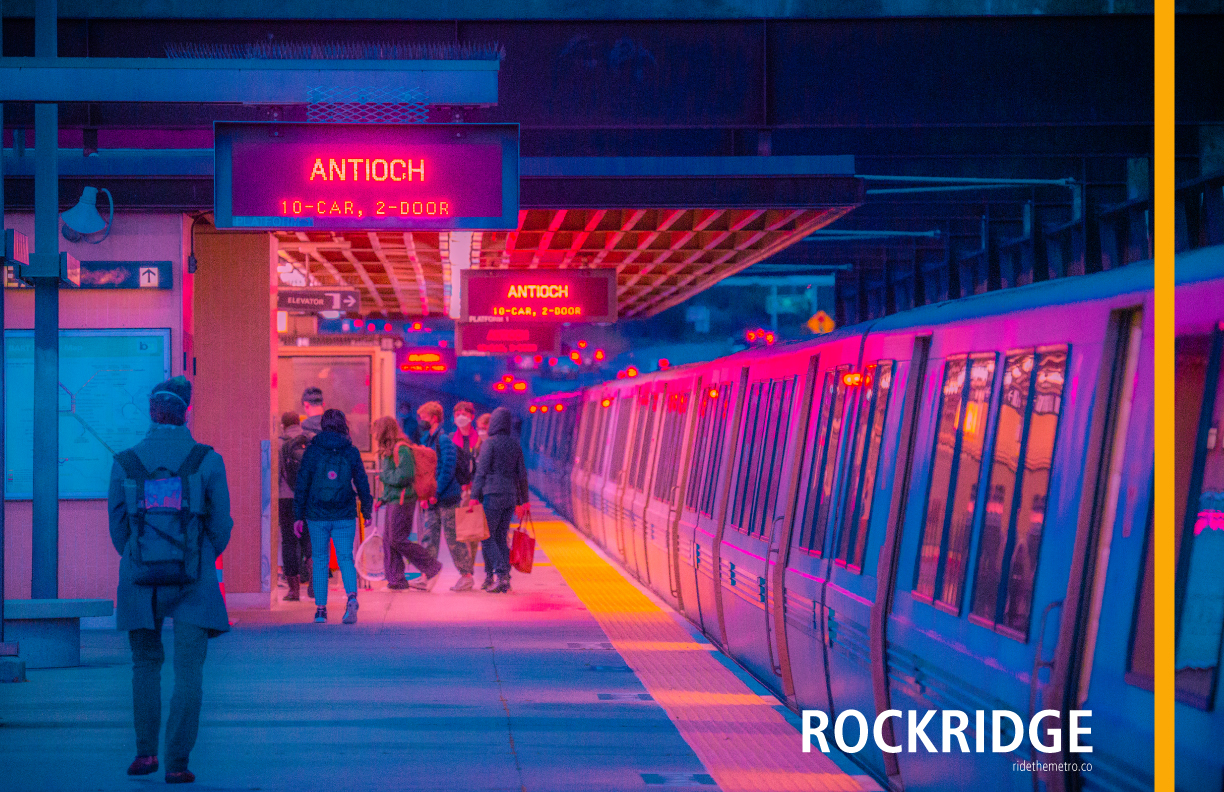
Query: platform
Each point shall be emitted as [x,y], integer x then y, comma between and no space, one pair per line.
[577,680]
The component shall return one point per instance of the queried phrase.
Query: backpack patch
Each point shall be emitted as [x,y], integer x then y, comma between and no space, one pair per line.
[164,511]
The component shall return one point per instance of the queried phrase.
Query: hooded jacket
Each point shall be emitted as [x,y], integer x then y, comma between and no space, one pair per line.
[449,491]
[312,425]
[501,468]
[306,507]
[198,603]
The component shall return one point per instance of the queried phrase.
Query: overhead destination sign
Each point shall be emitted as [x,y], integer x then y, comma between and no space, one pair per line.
[508,339]
[526,296]
[335,177]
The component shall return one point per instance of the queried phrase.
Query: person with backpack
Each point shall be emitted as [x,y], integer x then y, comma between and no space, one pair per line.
[312,405]
[398,475]
[295,552]
[331,480]
[438,512]
[170,518]
[501,487]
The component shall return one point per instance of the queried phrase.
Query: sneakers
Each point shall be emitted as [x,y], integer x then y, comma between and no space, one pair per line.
[180,777]
[350,610]
[488,584]
[425,583]
[503,585]
[320,616]
[142,765]
[465,583]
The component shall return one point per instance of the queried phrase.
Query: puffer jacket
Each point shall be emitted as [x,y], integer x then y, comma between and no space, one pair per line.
[306,507]
[501,468]
[449,491]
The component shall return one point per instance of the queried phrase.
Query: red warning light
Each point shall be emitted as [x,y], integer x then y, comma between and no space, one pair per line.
[416,326]
[574,356]
[532,408]
[713,393]
[751,336]
[358,323]
[606,402]
[501,386]
[769,338]
[560,407]
[631,371]
[507,378]
[852,378]
[552,361]
[599,354]
[620,374]
[582,344]
[543,408]
[518,360]
[520,386]
[538,359]
[664,364]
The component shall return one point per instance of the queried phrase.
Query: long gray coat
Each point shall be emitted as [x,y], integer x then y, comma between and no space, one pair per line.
[200,603]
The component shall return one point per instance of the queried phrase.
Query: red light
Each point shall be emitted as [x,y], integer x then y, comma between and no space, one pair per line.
[544,408]
[574,356]
[437,367]
[852,378]
[404,367]
[501,386]
[769,338]
[416,326]
[713,393]
[507,378]
[532,408]
[518,360]
[560,407]
[552,361]
[538,359]
[599,354]
[606,402]
[520,386]
[751,336]
[620,374]
[664,363]
[358,323]
[631,371]
[582,344]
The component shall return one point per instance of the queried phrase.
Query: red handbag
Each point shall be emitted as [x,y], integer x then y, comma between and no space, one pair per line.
[522,546]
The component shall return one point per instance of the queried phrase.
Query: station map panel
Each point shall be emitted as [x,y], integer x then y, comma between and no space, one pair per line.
[104,383]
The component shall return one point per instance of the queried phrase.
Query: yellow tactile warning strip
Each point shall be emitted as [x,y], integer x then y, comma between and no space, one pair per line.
[744,743]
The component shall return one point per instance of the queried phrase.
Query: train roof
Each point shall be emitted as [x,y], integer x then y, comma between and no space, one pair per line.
[1197,266]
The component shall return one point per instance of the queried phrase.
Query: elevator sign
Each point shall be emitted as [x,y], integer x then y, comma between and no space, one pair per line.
[336,177]
[536,296]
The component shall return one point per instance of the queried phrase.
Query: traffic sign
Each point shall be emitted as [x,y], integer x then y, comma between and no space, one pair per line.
[312,300]
[821,323]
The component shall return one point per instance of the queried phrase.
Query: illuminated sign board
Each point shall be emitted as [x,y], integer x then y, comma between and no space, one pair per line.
[425,359]
[508,339]
[523,296]
[336,177]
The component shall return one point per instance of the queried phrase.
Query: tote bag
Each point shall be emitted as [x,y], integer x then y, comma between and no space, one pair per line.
[471,526]
[522,546]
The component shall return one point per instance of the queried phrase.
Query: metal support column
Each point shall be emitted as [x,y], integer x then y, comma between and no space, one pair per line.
[2,349]
[44,567]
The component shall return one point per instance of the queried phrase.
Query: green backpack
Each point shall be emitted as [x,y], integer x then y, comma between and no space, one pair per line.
[164,510]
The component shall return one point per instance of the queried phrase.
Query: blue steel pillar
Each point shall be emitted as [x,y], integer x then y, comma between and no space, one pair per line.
[44,567]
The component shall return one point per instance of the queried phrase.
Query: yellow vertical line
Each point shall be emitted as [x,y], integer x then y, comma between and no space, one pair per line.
[1164,546]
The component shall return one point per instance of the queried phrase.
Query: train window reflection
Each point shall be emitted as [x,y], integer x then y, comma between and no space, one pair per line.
[768,471]
[668,468]
[701,445]
[641,450]
[872,408]
[1200,585]
[824,451]
[955,474]
[622,435]
[1019,483]
[718,439]
[748,447]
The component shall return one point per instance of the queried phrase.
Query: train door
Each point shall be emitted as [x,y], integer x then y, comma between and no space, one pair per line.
[712,408]
[583,457]
[621,420]
[756,509]
[664,489]
[605,422]
[626,549]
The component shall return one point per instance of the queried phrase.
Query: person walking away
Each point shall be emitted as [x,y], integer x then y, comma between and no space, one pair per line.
[397,472]
[501,487]
[295,552]
[482,428]
[312,405]
[168,499]
[330,482]
[438,513]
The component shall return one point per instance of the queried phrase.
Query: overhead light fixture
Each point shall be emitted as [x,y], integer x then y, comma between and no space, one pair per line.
[83,223]
[90,144]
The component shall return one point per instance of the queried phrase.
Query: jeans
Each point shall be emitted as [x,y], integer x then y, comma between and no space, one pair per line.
[397,546]
[441,519]
[295,552]
[498,511]
[342,533]
[183,724]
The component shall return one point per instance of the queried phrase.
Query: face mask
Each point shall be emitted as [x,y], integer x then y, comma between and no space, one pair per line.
[484,433]
[462,421]
[425,426]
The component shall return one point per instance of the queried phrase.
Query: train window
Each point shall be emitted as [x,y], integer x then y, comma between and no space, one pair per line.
[623,413]
[718,440]
[955,473]
[750,424]
[1200,589]
[755,506]
[585,430]
[1142,667]
[773,455]
[807,499]
[601,440]
[1019,480]
[645,444]
[669,445]
[872,410]
[701,445]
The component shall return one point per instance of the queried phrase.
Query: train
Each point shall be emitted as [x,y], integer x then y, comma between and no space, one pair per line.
[949,508]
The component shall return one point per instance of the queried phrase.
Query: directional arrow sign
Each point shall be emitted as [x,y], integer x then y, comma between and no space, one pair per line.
[821,323]
[314,300]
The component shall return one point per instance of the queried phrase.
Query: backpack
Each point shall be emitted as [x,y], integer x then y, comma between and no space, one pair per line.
[333,482]
[164,508]
[291,453]
[424,480]
[465,465]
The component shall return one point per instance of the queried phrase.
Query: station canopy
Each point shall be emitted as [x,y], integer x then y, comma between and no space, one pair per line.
[662,256]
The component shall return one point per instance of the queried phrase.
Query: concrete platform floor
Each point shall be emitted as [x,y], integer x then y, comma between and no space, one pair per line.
[437,691]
